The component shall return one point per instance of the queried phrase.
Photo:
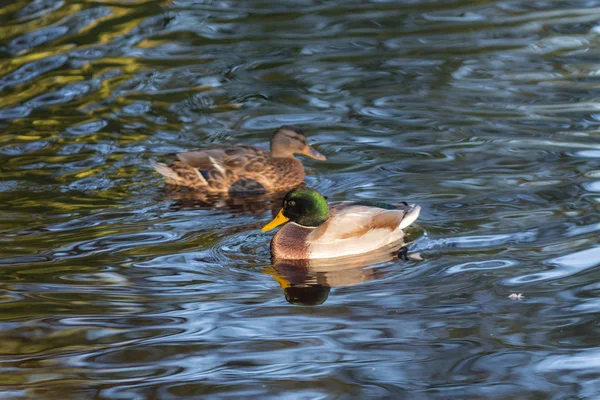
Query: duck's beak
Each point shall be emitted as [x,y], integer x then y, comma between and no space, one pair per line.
[312,153]
[278,220]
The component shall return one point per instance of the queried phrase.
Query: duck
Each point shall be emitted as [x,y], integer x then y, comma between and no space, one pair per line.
[315,230]
[243,169]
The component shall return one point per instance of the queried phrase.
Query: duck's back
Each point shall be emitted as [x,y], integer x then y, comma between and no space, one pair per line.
[230,157]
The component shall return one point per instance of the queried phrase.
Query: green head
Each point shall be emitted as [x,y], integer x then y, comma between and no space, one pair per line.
[303,206]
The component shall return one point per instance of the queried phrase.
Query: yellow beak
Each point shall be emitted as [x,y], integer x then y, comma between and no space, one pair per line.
[278,220]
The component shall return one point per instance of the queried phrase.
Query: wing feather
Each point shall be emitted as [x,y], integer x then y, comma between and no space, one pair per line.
[355,229]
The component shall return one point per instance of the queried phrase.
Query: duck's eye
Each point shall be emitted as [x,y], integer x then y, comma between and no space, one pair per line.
[291,203]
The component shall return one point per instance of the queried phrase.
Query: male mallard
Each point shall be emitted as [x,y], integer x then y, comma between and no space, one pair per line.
[318,231]
[221,170]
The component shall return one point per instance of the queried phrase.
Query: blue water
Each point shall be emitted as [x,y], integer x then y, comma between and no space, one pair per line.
[484,113]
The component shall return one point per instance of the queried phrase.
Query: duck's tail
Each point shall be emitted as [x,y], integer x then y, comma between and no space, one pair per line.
[165,171]
[411,213]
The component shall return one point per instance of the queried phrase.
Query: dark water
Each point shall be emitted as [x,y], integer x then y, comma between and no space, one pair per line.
[485,113]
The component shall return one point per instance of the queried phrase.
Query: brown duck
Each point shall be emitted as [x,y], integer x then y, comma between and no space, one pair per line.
[243,169]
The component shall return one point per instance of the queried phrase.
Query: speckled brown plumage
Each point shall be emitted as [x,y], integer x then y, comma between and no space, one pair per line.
[243,168]
[273,174]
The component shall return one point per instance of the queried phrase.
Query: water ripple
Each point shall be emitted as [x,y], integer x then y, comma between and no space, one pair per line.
[567,265]
[484,113]
[31,71]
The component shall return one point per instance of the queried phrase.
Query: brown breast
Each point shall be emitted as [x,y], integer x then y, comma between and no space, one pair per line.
[290,242]
[288,172]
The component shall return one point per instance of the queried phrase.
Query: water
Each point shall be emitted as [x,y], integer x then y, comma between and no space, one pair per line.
[485,113]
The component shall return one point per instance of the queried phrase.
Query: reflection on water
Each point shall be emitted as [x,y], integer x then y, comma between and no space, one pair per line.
[252,204]
[484,113]
[308,282]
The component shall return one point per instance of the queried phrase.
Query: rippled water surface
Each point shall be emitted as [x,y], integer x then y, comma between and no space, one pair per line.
[485,113]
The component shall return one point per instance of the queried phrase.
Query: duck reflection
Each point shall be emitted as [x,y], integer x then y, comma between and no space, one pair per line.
[308,282]
[245,204]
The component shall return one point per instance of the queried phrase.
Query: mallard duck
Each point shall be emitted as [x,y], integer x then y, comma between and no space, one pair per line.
[243,169]
[316,231]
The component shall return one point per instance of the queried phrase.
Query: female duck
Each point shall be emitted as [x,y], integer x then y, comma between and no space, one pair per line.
[317,231]
[222,170]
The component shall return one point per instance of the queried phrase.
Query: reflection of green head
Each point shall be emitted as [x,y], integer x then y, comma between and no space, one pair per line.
[305,206]
[306,295]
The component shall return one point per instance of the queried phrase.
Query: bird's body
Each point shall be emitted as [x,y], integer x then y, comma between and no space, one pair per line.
[235,168]
[317,231]
[242,168]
